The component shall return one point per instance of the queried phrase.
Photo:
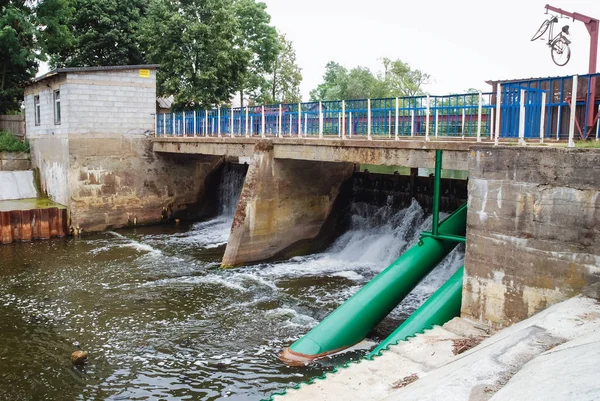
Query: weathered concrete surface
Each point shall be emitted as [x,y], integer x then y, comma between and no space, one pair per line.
[50,155]
[533,231]
[17,185]
[374,380]
[284,204]
[14,161]
[570,371]
[407,153]
[430,367]
[115,181]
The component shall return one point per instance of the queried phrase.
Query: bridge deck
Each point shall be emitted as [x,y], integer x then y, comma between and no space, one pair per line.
[403,152]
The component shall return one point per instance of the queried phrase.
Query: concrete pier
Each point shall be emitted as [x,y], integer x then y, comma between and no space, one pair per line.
[284,206]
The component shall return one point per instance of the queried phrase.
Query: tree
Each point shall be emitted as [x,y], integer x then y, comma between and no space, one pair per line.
[401,80]
[196,43]
[397,79]
[261,41]
[93,32]
[19,55]
[285,81]
[335,83]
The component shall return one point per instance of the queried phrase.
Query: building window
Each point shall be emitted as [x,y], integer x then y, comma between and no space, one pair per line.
[57,107]
[36,106]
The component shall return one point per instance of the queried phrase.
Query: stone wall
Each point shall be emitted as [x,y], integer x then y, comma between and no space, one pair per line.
[116,181]
[13,161]
[284,207]
[533,231]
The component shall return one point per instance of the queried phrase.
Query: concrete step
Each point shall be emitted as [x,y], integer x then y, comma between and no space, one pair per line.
[440,365]
[401,363]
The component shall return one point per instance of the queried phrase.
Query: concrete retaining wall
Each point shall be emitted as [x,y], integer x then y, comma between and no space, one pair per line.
[118,180]
[533,234]
[51,156]
[17,185]
[13,161]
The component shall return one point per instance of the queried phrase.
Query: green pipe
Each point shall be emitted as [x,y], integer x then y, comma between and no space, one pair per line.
[437,178]
[455,238]
[355,318]
[440,308]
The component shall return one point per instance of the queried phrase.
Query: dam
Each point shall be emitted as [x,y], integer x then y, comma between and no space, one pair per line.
[209,249]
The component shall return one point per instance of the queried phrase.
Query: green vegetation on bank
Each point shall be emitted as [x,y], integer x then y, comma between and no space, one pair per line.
[10,143]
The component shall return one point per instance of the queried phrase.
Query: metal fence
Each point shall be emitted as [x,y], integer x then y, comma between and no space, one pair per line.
[464,115]
[528,109]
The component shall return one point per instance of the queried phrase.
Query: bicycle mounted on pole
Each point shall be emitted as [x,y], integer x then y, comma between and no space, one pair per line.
[559,44]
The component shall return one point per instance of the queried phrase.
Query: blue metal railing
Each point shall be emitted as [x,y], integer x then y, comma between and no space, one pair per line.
[543,104]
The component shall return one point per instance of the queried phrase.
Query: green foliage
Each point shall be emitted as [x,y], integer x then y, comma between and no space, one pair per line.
[284,83]
[18,57]
[92,32]
[208,49]
[10,143]
[260,40]
[397,79]
[196,43]
[401,80]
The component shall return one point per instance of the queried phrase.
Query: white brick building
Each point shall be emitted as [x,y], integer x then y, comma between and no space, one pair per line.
[76,112]
[92,100]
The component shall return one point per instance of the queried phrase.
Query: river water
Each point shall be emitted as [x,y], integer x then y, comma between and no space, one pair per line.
[161,320]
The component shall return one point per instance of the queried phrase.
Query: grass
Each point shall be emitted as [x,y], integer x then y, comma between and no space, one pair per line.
[587,144]
[10,143]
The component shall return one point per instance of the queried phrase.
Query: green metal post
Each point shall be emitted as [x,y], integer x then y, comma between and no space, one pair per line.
[436,192]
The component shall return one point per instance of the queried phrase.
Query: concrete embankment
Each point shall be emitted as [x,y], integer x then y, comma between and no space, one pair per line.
[14,161]
[550,356]
[116,180]
[17,185]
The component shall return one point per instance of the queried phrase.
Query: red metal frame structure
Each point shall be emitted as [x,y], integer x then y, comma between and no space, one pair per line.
[592,25]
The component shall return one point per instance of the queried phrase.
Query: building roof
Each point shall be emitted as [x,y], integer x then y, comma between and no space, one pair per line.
[510,80]
[91,69]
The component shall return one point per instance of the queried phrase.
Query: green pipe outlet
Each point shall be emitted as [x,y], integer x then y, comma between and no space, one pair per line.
[440,308]
[355,318]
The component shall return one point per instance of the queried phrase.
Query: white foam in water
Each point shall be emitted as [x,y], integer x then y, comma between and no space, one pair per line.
[131,243]
[377,237]
[215,232]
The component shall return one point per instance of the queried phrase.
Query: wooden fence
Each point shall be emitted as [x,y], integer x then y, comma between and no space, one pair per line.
[14,124]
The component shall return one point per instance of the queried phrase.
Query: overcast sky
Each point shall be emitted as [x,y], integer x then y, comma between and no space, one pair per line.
[461,43]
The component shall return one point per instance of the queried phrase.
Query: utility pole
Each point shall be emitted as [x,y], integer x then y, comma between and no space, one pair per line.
[592,25]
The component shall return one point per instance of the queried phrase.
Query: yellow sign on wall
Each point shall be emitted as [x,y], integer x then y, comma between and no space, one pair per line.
[145,73]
